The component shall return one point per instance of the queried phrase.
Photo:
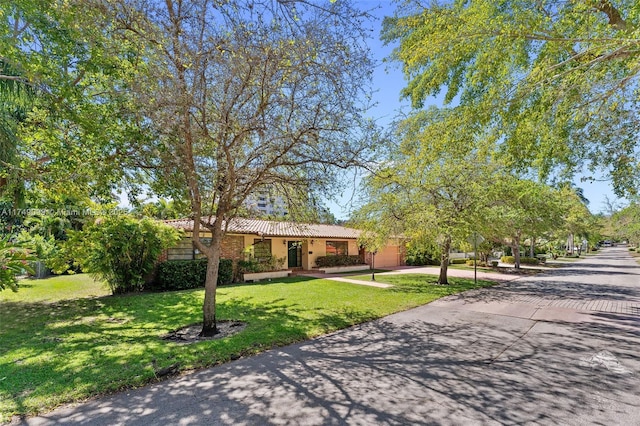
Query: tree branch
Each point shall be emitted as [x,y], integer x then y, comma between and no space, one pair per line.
[615,19]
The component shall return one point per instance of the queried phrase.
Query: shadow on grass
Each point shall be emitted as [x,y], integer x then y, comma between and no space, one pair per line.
[288,280]
[65,351]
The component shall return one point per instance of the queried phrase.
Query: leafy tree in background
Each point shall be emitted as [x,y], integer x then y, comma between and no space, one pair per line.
[16,99]
[521,208]
[626,223]
[556,83]
[72,139]
[162,209]
[578,221]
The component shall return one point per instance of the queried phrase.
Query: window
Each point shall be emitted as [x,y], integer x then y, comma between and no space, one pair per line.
[335,248]
[261,248]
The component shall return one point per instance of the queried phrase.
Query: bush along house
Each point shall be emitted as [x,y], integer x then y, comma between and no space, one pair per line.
[257,246]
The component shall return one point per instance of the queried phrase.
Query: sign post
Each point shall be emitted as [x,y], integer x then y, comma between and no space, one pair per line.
[373,265]
[475,240]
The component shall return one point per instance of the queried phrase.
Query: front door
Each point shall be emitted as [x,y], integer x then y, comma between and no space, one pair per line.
[294,254]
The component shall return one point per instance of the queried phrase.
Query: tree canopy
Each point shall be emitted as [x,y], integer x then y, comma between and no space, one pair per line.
[556,83]
[433,186]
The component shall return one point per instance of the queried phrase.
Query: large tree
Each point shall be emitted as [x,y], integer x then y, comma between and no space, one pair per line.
[557,82]
[432,188]
[202,100]
[69,138]
[242,96]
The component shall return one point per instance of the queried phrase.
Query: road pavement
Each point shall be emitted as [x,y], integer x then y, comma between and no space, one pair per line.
[555,348]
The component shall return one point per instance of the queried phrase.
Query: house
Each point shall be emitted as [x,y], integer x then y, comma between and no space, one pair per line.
[299,244]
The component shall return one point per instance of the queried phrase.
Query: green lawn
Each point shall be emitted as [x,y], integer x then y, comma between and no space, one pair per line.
[56,288]
[56,351]
[422,283]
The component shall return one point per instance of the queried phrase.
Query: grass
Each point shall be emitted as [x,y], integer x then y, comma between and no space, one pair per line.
[570,259]
[470,268]
[425,284]
[56,288]
[57,350]
[364,271]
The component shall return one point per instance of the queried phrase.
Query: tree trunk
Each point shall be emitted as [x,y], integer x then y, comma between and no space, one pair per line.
[570,244]
[444,261]
[515,248]
[532,248]
[209,327]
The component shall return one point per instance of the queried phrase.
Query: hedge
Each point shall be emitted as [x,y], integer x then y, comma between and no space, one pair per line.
[339,260]
[525,260]
[458,261]
[185,274]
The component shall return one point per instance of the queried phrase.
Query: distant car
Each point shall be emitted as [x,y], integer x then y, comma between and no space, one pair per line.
[606,243]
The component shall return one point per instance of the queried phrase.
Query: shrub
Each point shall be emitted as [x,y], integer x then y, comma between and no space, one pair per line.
[44,249]
[340,260]
[248,266]
[414,260]
[470,262]
[120,249]
[494,263]
[458,261]
[523,259]
[225,272]
[267,264]
[632,249]
[13,261]
[418,256]
[185,274]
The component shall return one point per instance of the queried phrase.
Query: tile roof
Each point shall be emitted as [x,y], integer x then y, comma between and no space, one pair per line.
[270,228]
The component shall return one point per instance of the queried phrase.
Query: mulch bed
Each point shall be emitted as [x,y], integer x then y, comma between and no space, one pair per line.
[190,333]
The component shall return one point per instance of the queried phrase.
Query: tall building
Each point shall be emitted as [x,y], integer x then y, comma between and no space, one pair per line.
[264,204]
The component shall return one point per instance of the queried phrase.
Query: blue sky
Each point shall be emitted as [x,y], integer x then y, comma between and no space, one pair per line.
[389,81]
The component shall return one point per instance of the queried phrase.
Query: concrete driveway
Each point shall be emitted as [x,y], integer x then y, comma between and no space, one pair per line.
[557,348]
